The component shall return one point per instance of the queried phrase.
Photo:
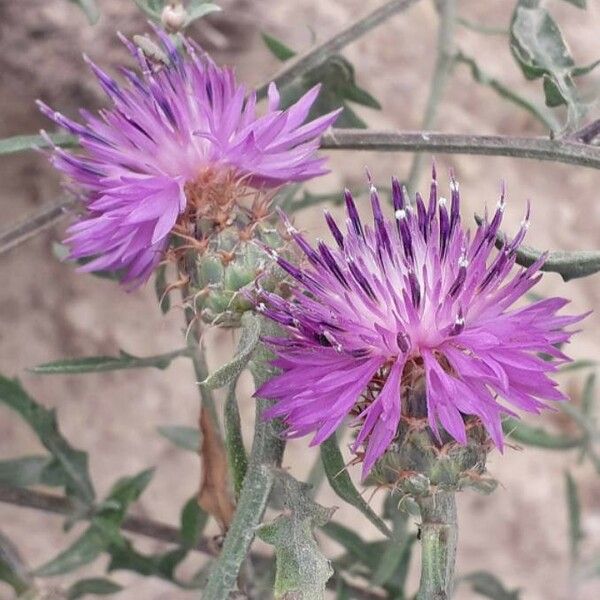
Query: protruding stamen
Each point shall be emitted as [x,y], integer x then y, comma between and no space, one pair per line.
[415,289]
[353,213]
[403,341]
[335,230]
[361,279]
[421,215]
[459,323]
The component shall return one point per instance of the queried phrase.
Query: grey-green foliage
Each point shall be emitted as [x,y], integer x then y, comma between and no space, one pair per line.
[541,51]
[302,571]
[71,464]
[489,586]
[338,86]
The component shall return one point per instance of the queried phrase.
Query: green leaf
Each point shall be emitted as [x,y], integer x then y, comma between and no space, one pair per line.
[74,463]
[163,565]
[506,92]
[578,71]
[234,441]
[338,86]
[490,586]
[19,143]
[12,569]
[536,436]
[152,8]
[98,364]
[574,512]
[161,286]
[577,365]
[342,485]
[23,472]
[123,493]
[351,542]
[182,436]
[248,342]
[589,395]
[196,9]
[96,586]
[90,9]
[86,549]
[277,47]
[578,3]
[301,569]
[539,48]
[193,520]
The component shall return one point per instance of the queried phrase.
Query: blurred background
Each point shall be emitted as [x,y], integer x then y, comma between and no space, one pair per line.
[48,311]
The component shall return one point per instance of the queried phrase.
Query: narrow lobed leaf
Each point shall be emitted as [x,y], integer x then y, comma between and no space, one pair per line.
[182,436]
[96,586]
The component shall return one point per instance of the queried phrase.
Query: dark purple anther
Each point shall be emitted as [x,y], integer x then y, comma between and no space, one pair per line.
[331,263]
[403,341]
[360,279]
[444,227]
[398,197]
[455,207]
[383,238]
[335,230]
[353,214]
[415,289]
[422,215]
[460,278]
[459,323]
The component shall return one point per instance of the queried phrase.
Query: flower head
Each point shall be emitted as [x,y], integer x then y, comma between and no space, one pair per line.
[178,136]
[411,303]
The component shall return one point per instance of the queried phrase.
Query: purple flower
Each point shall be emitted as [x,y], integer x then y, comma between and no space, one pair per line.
[411,301]
[172,134]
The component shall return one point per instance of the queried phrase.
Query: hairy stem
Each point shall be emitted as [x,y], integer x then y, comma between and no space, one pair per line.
[267,453]
[302,63]
[441,72]
[439,535]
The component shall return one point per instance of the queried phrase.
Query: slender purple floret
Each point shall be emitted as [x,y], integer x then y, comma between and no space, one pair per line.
[411,299]
[174,128]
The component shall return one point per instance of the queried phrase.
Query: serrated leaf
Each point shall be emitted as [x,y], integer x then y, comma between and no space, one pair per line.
[19,143]
[90,9]
[182,436]
[529,435]
[574,513]
[99,364]
[96,586]
[248,342]
[301,570]
[342,485]
[490,586]
[73,462]
[196,9]
[277,47]
[192,522]
[539,48]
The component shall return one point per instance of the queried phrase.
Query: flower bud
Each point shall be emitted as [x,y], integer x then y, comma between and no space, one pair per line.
[174,17]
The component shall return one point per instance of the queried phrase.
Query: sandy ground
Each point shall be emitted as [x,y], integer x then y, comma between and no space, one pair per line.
[48,311]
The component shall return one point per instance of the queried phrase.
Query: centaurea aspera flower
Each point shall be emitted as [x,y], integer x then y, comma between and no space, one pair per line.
[176,136]
[413,301]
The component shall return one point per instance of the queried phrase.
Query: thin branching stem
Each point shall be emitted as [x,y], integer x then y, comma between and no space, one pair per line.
[302,63]
[538,148]
[441,73]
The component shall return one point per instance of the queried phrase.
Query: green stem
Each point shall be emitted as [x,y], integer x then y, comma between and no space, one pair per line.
[267,453]
[317,55]
[441,72]
[439,534]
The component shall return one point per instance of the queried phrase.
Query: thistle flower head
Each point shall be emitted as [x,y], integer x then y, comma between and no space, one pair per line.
[180,139]
[407,304]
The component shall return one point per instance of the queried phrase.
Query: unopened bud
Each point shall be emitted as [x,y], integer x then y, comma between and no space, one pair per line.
[174,17]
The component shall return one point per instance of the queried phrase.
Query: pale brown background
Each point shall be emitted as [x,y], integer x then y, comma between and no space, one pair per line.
[48,312]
